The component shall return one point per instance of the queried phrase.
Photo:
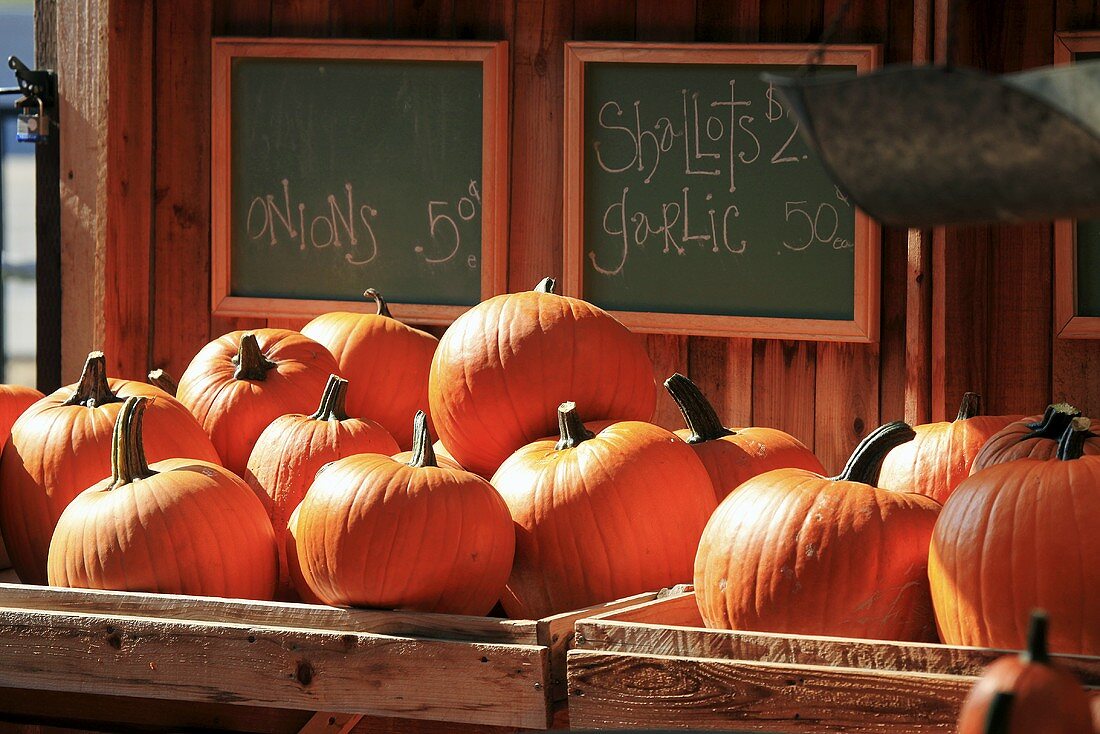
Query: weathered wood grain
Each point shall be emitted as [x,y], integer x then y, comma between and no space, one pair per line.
[847,402]
[784,387]
[722,368]
[726,22]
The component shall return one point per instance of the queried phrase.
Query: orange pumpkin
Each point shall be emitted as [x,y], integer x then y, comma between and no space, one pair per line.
[237,384]
[940,456]
[794,552]
[14,401]
[387,362]
[291,450]
[733,456]
[1019,536]
[62,445]
[1035,437]
[178,526]
[292,567]
[376,532]
[1044,697]
[504,366]
[601,516]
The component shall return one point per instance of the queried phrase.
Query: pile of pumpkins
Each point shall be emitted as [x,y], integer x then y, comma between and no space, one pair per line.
[548,489]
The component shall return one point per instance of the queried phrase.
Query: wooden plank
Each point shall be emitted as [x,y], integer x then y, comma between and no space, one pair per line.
[423,18]
[324,722]
[305,18]
[1072,15]
[669,354]
[360,19]
[660,20]
[604,21]
[479,20]
[619,690]
[918,329]
[784,387]
[722,368]
[792,21]
[725,22]
[280,667]
[847,401]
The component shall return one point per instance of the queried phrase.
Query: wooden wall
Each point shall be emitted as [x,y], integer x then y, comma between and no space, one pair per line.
[978,300]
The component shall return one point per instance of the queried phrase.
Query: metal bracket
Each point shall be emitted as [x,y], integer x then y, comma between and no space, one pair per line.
[36,84]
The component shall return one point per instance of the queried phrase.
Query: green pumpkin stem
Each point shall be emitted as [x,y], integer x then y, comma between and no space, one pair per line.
[546,285]
[379,301]
[127,449]
[332,401]
[250,360]
[970,406]
[572,430]
[863,466]
[423,452]
[999,714]
[699,414]
[164,381]
[1072,443]
[1036,651]
[1054,422]
[93,388]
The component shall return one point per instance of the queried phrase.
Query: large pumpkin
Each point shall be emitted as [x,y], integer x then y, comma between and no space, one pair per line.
[291,450]
[386,361]
[14,401]
[794,552]
[733,456]
[178,526]
[237,384]
[940,456]
[504,366]
[376,532]
[601,515]
[1035,437]
[1019,536]
[1045,699]
[62,445]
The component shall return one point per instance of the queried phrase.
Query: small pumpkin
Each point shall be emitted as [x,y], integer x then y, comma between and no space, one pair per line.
[733,456]
[387,362]
[480,388]
[794,552]
[1044,697]
[1035,437]
[178,526]
[601,515]
[62,444]
[291,450]
[1015,537]
[942,453]
[376,532]
[237,384]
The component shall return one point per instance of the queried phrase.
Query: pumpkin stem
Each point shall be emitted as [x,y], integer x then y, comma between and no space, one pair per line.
[572,430]
[863,465]
[332,401]
[970,406]
[1055,420]
[164,381]
[997,717]
[127,449]
[1072,443]
[546,285]
[423,453]
[1036,651]
[251,362]
[93,388]
[383,309]
[699,414]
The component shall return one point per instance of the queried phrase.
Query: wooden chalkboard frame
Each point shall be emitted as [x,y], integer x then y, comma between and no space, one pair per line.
[1067,323]
[494,58]
[864,325]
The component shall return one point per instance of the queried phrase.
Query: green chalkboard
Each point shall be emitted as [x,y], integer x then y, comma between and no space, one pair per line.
[701,198]
[1088,249]
[363,167]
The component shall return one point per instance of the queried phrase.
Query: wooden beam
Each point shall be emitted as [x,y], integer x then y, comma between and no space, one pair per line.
[47,217]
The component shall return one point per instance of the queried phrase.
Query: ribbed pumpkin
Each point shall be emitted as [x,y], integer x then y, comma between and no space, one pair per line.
[375,532]
[291,450]
[237,384]
[292,567]
[602,515]
[62,445]
[14,401]
[1019,536]
[1045,699]
[794,552]
[940,456]
[1035,437]
[733,456]
[386,361]
[178,526]
[504,366]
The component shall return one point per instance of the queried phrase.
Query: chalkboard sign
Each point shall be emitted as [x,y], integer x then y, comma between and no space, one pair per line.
[1077,243]
[694,206]
[345,164]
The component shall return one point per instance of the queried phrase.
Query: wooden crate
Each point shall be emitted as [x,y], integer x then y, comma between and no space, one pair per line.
[280,661]
[654,665]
